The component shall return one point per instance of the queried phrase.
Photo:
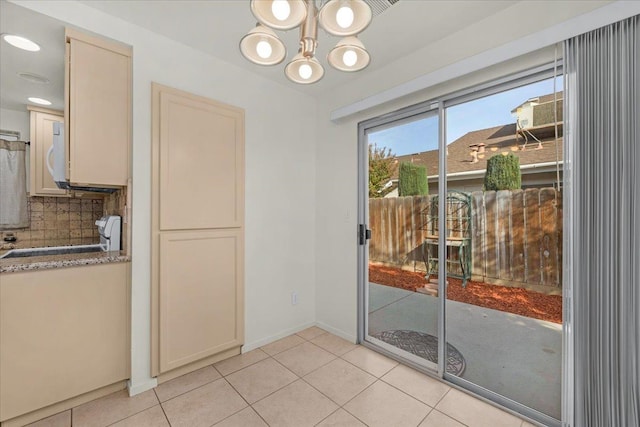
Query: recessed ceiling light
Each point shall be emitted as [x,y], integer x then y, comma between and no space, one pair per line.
[21,42]
[33,78]
[39,101]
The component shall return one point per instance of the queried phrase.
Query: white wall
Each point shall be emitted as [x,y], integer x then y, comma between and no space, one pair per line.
[15,120]
[336,154]
[280,178]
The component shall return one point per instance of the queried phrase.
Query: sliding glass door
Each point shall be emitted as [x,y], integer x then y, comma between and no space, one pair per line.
[462,274]
[401,306]
[504,243]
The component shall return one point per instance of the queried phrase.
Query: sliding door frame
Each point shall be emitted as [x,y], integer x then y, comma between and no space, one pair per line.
[439,105]
[409,114]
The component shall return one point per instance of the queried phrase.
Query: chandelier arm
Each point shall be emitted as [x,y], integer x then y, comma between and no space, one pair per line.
[309,30]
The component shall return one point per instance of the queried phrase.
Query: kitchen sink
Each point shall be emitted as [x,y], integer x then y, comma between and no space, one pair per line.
[55,250]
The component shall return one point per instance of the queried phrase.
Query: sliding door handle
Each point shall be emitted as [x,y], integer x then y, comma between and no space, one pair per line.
[364,234]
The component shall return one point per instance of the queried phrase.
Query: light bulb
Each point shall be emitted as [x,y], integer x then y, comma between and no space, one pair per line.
[350,57]
[280,9]
[305,71]
[344,17]
[263,49]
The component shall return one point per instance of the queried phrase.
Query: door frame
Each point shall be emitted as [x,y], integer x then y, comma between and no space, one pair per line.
[439,105]
[415,112]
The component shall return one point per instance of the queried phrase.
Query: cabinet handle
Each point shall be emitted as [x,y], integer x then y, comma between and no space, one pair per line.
[48,157]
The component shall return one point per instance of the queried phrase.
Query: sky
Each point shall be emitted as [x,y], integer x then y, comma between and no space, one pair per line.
[422,135]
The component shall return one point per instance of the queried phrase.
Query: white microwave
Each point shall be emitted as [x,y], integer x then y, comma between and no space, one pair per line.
[57,163]
[57,151]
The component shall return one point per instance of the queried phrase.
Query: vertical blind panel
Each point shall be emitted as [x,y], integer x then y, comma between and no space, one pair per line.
[603,146]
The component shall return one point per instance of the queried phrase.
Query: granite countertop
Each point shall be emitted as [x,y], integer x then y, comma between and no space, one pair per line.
[12,265]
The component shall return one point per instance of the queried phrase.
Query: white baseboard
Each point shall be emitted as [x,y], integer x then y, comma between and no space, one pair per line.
[338,332]
[264,341]
[141,387]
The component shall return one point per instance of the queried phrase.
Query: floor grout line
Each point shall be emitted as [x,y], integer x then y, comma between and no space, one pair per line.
[449,416]
[352,414]
[165,415]
[444,413]
[324,364]
[275,391]
[115,422]
[258,414]
[337,409]
[131,415]
[358,394]
[251,364]
[309,340]
[426,416]
[286,349]
[300,376]
[312,386]
[188,391]
[238,411]
[443,396]
[406,393]
[362,369]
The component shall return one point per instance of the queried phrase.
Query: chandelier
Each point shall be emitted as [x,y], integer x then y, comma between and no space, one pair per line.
[343,18]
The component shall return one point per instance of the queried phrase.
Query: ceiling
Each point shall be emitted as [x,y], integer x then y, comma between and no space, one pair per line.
[216,27]
[48,62]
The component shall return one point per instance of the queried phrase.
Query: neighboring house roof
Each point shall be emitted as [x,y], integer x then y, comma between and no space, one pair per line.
[498,139]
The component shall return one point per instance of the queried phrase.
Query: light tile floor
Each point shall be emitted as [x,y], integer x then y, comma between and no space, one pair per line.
[312,378]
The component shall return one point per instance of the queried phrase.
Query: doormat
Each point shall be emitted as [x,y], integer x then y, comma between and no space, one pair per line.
[424,346]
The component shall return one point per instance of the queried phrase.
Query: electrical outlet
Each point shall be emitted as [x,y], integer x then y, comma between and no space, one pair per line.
[294,298]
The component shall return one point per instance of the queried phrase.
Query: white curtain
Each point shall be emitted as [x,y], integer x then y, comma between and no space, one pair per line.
[13,185]
[602,107]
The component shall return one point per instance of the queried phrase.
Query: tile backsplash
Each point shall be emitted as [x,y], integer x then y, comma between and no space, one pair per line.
[57,221]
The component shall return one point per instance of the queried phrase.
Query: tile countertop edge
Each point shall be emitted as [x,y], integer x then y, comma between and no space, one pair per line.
[59,261]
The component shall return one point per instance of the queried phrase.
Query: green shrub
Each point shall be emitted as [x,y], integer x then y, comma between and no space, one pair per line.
[382,166]
[503,173]
[412,180]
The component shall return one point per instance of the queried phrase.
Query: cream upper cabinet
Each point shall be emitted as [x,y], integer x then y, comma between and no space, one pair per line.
[197,231]
[98,110]
[41,141]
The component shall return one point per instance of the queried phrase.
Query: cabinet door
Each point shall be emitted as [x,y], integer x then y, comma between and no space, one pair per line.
[41,140]
[99,85]
[201,163]
[63,332]
[201,302]
[197,223]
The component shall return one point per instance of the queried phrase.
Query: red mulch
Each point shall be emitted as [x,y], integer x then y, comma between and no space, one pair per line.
[512,300]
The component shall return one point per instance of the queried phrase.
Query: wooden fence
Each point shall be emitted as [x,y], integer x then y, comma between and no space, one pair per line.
[516,236]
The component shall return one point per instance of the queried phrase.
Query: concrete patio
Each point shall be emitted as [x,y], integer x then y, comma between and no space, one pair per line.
[515,356]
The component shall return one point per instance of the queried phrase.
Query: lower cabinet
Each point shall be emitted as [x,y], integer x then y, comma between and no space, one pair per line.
[201,304]
[63,332]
